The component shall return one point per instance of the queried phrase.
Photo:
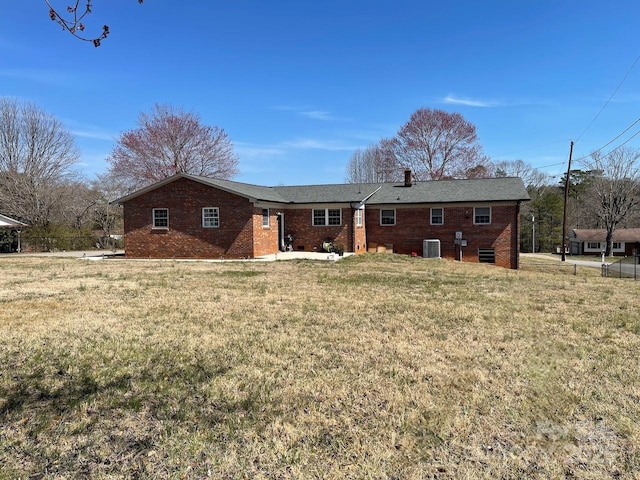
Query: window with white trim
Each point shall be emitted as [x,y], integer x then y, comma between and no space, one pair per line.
[210,217]
[593,245]
[481,215]
[334,216]
[323,217]
[437,216]
[387,217]
[616,245]
[265,217]
[160,218]
[359,217]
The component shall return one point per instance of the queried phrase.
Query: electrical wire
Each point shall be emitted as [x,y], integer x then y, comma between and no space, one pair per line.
[613,140]
[609,100]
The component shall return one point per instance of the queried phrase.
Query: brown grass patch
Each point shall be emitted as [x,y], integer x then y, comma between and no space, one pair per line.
[380,366]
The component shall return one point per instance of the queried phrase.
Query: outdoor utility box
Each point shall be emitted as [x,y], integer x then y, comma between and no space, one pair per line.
[431,248]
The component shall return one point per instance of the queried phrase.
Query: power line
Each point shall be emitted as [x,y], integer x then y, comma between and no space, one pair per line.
[609,100]
[613,140]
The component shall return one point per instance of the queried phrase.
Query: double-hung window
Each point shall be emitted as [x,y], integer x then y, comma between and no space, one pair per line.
[210,217]
[265,217]
[482,215]
[160,218]
[359,217]
[387,217]
[327,216]
[334,216]
[437,216]
[593,245]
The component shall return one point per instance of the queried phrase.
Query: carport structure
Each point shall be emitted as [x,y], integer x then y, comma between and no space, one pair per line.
[10,231]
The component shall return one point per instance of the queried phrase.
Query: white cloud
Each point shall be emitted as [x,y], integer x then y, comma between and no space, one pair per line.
[248,150]
[317,115]
[470,102]
[312,144]
[51,77]
[93,134]
[308,112]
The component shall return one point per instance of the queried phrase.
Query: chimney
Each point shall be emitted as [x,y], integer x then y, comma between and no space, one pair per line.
[407,177]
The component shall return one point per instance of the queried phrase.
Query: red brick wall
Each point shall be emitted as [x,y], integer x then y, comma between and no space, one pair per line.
[241,234]
[359,236]
[413,226]
[265,239]
[185,237]
[306,236]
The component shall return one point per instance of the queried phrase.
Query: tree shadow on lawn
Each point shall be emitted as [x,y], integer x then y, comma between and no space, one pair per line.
[76,424]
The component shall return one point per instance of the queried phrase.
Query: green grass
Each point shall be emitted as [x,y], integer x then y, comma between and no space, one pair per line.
[377,366]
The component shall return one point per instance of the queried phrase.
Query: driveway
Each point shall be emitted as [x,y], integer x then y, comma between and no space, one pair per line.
[569,260]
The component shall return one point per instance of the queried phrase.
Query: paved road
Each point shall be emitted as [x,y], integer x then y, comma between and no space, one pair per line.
[569,260]
[627,269]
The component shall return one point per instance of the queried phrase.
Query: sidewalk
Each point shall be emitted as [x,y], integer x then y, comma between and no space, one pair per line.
[103,254]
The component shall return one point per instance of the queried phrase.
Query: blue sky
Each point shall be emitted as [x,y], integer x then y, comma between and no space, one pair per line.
[299,85]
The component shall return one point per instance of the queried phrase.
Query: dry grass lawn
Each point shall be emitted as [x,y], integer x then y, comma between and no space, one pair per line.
[379,367]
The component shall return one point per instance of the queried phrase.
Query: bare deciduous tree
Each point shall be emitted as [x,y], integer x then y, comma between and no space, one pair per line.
[376,163]
[37,155]
[531,177]
[108,217]
[169,141]
[73,17]
[615,189]
[437,145]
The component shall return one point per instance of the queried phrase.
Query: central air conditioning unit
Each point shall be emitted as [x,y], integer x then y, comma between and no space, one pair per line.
[431,248]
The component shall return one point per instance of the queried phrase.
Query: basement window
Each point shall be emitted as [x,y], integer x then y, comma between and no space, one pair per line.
[487,255]
[160,218]
[210,217]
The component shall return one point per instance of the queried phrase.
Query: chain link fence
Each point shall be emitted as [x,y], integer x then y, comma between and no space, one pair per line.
[628,267]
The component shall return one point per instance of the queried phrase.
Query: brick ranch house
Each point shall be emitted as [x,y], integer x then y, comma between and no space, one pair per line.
[187,216]
[626,241]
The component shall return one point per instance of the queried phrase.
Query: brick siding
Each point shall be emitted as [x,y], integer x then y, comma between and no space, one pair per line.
[186,237]
[242,235]
[309,238]
[413,226]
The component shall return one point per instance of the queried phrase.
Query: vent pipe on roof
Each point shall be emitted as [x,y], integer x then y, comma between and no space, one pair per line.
[407,177]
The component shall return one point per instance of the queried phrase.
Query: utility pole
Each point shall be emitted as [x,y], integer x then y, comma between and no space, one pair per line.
[533,234]
[566,201]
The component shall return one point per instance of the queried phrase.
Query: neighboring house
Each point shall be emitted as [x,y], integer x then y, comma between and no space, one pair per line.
[186,216]
[10,230]
[626,241]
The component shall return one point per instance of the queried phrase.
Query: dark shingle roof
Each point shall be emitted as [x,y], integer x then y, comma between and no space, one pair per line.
[334,193]
[453,191]
[440,191]
[269,194]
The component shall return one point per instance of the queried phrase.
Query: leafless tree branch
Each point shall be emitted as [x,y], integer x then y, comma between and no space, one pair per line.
[73,21]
